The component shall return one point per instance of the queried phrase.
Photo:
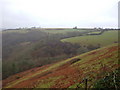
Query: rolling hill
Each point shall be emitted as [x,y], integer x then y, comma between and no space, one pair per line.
[70,73]
[107,38]
[63,31]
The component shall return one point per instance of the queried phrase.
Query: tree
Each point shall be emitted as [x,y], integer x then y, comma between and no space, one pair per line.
[75,27]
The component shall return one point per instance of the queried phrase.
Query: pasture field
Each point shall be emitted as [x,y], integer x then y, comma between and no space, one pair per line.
[69,73]
[107,38]
[63,31]
[95,32]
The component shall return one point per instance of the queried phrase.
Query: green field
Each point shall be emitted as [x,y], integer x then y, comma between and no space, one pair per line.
[107,38]
[95,32]
[63,31]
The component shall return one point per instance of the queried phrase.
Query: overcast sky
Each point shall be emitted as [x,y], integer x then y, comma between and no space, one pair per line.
[59,13]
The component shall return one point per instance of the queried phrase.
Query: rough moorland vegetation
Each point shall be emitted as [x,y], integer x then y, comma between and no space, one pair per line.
[97,68]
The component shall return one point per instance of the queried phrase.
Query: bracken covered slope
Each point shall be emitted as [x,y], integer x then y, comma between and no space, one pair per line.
[70,73]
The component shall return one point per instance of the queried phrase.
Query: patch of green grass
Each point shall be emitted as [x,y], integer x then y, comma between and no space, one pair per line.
[74,85]
[107,38]
[78,85]
[47,83]
[63,31]
[95,32]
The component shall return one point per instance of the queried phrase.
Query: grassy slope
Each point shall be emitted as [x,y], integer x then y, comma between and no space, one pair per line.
[106,38]
[95,32]
[63,31]
[67,73]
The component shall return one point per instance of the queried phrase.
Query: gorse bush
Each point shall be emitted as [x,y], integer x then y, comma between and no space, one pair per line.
[109,81]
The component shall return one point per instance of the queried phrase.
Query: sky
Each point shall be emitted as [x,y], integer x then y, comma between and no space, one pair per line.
[59,13]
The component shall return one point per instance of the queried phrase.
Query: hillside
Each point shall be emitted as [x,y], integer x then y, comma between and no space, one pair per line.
[24,49]
[69,73]
[107,38]
[64,31]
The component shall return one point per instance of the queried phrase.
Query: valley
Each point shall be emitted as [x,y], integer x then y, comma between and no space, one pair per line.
[59,58]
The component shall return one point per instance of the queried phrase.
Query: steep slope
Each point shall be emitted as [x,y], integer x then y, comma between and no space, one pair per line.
[70,73]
